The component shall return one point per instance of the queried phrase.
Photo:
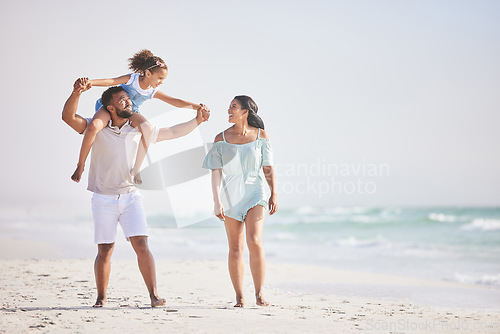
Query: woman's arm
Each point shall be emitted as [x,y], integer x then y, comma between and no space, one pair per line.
[216,181]
[273,199]
[178,103]
[269,174]
[111,81]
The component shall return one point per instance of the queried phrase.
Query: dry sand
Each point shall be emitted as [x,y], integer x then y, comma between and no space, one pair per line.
[41,293]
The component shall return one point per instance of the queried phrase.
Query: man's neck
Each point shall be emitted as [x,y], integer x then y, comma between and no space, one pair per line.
[118,121]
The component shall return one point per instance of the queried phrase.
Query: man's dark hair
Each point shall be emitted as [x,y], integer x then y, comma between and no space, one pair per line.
[108,95]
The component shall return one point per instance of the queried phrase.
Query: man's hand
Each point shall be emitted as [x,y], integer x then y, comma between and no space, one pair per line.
[81,85]
[202,114]
[69,115]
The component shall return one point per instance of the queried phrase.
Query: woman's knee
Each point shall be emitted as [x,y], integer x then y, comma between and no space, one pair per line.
[254,243]
[236,250]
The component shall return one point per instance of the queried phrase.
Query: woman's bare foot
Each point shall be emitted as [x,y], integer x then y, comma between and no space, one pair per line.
[259,300]
[156,302]
[100,302]
[77,175]
[239,302]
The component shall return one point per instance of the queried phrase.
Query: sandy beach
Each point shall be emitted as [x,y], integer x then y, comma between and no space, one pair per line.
[42,293]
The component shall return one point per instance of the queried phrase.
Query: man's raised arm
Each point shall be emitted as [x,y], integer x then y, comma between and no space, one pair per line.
[179,130]
[69,115]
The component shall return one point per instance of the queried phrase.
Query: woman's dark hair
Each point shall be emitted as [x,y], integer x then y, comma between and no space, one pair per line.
[248,103]
[145,60]
[107,95]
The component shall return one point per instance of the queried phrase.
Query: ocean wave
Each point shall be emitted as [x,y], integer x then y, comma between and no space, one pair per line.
[409,217]
[335,211]
[483,279]
[441,217]
[283,236]
[342,210]
[363,243]
[483,224]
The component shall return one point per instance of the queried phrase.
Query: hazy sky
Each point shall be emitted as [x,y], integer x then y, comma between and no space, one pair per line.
[366,102]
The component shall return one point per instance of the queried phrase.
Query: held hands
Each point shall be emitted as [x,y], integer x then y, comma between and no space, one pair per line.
[219,211]
[202,114]
[273,204]
[81,85]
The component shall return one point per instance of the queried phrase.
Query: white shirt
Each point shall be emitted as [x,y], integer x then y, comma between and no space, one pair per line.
[113,155]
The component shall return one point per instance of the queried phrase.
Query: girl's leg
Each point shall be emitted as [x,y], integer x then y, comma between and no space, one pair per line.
[138,121]
[100,120]
[254,223]
[236,241]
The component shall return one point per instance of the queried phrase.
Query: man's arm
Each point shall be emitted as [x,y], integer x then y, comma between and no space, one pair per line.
[183,129]
[69,115]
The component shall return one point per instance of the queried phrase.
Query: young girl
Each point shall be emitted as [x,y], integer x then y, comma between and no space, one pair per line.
[149,73]
[240,153]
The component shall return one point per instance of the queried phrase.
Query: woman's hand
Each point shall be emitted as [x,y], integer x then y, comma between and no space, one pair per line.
[273,204]
[219,210]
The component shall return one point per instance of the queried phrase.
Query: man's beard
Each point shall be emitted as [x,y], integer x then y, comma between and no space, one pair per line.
[124,113]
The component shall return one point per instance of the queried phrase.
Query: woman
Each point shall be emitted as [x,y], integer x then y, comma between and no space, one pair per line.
[240,152]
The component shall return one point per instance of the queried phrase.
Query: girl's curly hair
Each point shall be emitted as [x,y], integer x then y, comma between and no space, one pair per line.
[145,60]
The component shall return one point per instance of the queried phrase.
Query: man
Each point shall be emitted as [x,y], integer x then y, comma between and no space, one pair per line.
[116,198]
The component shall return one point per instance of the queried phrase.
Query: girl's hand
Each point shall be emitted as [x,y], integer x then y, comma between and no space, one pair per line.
[273,204]
[219,210]
[81,85]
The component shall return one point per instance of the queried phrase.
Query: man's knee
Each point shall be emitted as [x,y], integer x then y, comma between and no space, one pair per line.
[105,250]
[140,244]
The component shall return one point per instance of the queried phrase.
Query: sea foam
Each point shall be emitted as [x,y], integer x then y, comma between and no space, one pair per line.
[483,224]
[483,279]
[440,217]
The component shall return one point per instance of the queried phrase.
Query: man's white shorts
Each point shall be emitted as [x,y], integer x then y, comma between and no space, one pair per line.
[108,210]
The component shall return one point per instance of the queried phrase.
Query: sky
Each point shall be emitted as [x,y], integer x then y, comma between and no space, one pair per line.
[367,103]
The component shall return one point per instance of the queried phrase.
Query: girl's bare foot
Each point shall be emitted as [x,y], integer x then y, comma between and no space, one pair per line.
[136,176]
[137,179]
[77,175]
[239,302]
[156,302]
[100,302]
[259,300]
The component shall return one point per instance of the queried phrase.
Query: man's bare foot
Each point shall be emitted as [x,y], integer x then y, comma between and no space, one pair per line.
[100,302]
[259,300]
[77,175]
[156,302]
[239,302]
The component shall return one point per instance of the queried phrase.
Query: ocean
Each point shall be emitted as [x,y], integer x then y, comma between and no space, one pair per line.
[450,244]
